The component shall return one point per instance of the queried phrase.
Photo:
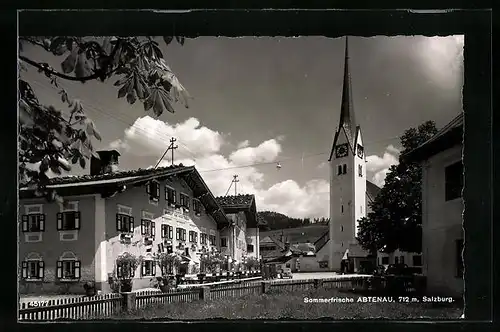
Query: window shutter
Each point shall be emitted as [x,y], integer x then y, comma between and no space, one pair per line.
[162,231]
[174,196]
[59,221]
[171,232]
[25,222]
[143,268]
[119,271]
[77,219]
[42,222]
[143,228]
[118,222]
[148,188]
[41,267]
[153,229]
[24,268]
[162,247]
[153,267]
[159,247]
[177,234]
[132,271]
[131,224]
[158,190]
[59,270]
[77,269]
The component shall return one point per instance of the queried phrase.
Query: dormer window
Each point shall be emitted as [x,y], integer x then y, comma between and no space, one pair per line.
[153,191]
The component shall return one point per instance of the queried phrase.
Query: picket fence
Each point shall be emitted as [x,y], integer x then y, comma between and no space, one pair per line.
[110,305]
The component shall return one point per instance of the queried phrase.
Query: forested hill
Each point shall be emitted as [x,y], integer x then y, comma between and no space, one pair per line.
[277,220]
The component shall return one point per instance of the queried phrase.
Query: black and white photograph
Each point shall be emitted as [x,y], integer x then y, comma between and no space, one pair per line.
[259,178]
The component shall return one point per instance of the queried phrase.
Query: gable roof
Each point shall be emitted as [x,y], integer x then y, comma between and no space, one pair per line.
[115,182]
[242,203]
[372,190]
[449,136]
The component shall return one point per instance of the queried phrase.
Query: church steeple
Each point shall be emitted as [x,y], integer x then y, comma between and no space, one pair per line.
[347,120]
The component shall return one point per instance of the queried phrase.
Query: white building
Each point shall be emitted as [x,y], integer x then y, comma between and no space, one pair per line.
[349,197]
[442,208]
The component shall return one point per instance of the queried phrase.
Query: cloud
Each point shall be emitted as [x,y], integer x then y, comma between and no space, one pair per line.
[201,146]
[378,167]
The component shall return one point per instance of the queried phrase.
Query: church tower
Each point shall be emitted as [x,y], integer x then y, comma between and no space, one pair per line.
[347,178]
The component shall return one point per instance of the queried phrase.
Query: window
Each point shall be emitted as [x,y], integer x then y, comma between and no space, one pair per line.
[170,195]
[68,267]
[453,178]
[167,232]
[148,268]
[323,264]
[124,270]
[417,260]
[341,228]
[250,248]
[153,190]
[212,240]
[193,237]
[344,169]
[124,223]
[68,220]
[342,208]
[197,207]
[459,261]
[396,260]
[360,170]
[223,242]
[148,228]
[34,219]
[184,200]
[180,234]
[33,267]
[339,169]
[203,238]
[385,260]
[186,251]
[402,259]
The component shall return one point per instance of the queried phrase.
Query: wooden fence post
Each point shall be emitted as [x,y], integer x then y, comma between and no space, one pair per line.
[128,301]
[204,293]
[318,283]
[264,286]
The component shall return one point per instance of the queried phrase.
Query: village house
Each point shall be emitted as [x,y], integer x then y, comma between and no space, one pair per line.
[442,208]
[240,240]
[111,212]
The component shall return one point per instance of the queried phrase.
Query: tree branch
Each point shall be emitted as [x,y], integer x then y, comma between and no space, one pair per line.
[96,75]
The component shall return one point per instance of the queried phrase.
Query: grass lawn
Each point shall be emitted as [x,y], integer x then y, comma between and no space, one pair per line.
[280,304]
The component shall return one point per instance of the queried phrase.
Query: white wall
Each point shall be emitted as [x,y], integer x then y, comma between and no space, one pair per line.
[252,237]
[441,226]
[407,257]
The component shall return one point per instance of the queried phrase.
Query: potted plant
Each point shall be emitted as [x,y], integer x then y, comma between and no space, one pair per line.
[126,265]
[90,289]
[169,264]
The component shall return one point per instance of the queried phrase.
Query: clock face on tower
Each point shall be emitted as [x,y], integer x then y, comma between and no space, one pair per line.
[341,151]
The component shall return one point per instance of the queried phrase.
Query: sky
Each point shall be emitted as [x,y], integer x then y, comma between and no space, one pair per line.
[260,101]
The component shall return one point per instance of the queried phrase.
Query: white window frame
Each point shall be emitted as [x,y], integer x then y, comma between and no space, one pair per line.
[167,187]
[33,257]
[123,209]
[33,209]
[71,206]
[71,257]
[148,216]
[151,260]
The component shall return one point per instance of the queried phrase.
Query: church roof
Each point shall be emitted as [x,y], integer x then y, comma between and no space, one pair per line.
[347,119]
[372,190]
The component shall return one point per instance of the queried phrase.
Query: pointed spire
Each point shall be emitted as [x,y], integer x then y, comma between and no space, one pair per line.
[347,120]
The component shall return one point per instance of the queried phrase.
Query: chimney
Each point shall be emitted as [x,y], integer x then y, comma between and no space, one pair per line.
[106,163]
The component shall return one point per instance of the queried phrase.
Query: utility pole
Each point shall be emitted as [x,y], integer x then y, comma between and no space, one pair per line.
[235,180]
[170,147]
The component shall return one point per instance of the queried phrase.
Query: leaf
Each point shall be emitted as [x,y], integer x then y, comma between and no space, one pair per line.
[82,66]
[69,64]
[168,39]
[131,97]
[82,162]
[123,91]
[121,81]
[148,103]
[180,40]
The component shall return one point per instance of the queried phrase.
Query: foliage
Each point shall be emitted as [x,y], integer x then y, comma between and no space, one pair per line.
[168,262]
[50,139]
[277,220]
[396,217]
[252,263]
[128,264]
[210,261]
